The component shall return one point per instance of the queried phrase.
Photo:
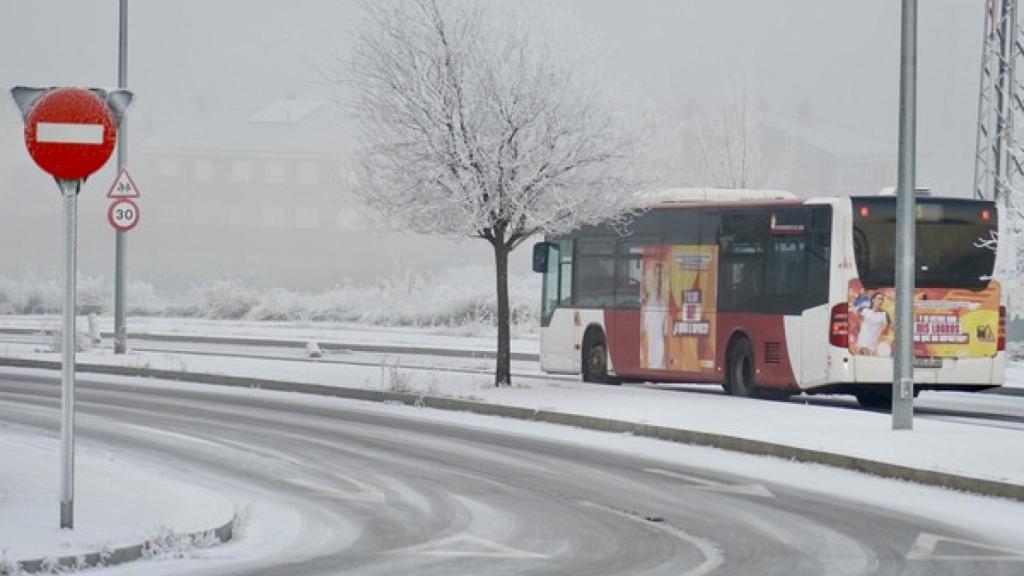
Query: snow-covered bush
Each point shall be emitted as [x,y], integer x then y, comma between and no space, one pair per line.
[224,300]
[461,299]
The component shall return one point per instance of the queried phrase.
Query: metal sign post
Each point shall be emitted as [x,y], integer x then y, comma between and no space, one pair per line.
[120,245]
[70,133]
[903,361]
[69,190]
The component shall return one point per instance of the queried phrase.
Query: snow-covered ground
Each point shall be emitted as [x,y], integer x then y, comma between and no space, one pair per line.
[959,448]
[118,502]
[964,449]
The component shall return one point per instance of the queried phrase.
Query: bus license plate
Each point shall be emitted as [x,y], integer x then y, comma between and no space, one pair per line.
[927,362]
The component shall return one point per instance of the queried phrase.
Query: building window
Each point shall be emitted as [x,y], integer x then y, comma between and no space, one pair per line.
[241,171]
[306,218]
[273,216]
[169,167]
[204,170]
[273,171]
[307,173]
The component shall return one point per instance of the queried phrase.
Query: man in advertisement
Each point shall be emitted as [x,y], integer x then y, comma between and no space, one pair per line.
[875,323]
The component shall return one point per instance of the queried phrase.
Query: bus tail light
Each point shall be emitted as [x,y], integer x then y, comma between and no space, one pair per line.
[1001,345]
[839,333]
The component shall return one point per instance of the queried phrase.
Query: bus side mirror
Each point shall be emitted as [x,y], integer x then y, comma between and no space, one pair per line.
[541,253]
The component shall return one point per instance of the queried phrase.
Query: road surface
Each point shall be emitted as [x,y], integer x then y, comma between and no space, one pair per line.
[393,493]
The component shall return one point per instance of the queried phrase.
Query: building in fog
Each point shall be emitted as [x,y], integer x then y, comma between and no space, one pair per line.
[825,160]
[263,196]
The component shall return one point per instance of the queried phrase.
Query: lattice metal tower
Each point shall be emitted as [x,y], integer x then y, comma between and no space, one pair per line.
[999,157]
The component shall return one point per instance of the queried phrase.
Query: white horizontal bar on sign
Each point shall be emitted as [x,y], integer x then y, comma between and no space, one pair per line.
[55,133]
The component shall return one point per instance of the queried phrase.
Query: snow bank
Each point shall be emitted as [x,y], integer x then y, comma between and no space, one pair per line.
[118,502]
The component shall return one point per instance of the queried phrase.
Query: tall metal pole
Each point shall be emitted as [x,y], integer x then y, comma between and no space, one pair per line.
[69,191]
[120,272]
[903,365]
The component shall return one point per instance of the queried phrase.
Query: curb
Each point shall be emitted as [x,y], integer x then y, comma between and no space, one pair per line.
[222,533]
[295,343]
[721,441]
[1004,391]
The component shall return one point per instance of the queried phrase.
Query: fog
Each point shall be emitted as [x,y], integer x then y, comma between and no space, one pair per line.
[242,153]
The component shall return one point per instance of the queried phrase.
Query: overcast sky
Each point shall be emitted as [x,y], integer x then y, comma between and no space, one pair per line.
[838,57]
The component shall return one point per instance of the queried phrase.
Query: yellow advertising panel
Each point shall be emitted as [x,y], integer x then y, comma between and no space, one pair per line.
[677,308]
[948,322]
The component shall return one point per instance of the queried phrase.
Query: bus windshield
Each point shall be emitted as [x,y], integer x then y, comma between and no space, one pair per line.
[954,242]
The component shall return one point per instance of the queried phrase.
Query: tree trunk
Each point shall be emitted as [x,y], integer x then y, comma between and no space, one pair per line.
[503,370]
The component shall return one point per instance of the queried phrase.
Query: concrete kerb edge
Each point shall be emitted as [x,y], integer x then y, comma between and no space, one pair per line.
[721,441]
[222,533]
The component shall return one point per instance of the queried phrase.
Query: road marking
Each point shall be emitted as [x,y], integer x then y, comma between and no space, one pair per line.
[925,545]
[60,133]
[709,550]
[702,484]
[465,546]
[362,493]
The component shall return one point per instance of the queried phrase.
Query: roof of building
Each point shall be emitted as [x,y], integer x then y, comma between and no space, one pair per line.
[285,127]
[833,140]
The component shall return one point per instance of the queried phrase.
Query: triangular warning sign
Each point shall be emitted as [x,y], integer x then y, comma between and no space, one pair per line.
[124,186]
[932,547]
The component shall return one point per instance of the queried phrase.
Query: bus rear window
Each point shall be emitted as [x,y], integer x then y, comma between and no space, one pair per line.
[949,233]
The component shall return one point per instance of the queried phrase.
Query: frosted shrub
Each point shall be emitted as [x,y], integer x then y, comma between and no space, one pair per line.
[225,300]
[459,299]
[143,300]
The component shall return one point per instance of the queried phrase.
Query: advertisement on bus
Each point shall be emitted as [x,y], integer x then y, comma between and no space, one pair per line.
[677,305]
[948,322]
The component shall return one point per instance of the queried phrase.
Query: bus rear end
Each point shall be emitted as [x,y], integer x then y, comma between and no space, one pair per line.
[959,330]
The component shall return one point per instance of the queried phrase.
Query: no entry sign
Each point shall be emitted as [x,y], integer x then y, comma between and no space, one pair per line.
[70,133]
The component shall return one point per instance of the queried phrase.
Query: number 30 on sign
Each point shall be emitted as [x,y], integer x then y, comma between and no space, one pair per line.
[123,214]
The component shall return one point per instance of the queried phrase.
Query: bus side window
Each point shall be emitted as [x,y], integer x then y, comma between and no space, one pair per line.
[742,245]
[630,271]
[819,251]
[595,272]
[565,248]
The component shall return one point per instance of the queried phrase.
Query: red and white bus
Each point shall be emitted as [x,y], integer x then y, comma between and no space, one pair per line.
[767,294]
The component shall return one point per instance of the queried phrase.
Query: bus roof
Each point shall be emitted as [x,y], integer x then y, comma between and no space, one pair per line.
[680,195]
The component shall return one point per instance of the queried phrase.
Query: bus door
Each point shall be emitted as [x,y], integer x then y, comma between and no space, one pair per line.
[557,353]
[625,329]
[796,287]
[817,309]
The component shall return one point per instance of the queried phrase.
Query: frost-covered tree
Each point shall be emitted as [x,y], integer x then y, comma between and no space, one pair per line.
[478,119]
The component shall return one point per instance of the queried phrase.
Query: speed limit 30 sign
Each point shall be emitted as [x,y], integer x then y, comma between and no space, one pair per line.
[123,214]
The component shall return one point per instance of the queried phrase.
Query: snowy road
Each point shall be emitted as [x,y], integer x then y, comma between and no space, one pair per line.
[396,490]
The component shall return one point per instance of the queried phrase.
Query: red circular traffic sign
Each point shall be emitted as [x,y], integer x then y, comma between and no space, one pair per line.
[123,214]
[70,133]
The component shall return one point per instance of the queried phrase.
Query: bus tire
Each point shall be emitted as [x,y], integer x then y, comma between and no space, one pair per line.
[872,398]
[741,376]
[595,358]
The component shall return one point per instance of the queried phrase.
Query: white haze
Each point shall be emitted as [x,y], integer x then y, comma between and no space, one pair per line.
[834,61]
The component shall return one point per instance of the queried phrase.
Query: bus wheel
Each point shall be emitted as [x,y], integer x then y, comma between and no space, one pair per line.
[741,370]
[874,398]
[595,359]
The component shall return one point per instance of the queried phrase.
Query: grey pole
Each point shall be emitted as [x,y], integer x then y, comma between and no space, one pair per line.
[120,272]
[903,365]
[69,191]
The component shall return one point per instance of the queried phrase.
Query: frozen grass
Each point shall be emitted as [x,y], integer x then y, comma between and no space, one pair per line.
[461,299]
